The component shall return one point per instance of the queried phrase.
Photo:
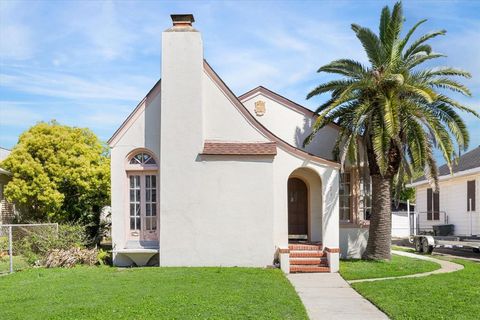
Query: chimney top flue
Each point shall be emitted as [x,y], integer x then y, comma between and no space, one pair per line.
[182,20]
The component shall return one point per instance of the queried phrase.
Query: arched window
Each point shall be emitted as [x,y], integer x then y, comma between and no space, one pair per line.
[142,158]
[142,194]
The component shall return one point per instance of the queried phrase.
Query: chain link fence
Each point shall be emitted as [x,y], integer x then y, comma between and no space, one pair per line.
[20,243]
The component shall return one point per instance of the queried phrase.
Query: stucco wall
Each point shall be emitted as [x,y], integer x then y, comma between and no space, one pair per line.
[222,121]
[293,126]
[143,132]
[215,210]
[453,200]
[221,210]
[353,242]
[286,164]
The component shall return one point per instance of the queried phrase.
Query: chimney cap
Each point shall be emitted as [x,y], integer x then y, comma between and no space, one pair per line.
[182,19]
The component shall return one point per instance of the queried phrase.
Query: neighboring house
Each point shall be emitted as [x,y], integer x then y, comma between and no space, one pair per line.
[201,177]
[7,210]
[456,201]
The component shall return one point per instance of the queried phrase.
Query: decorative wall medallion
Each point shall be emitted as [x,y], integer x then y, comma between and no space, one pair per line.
[259,108]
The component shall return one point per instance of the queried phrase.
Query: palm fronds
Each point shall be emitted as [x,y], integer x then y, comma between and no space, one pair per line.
[393,105]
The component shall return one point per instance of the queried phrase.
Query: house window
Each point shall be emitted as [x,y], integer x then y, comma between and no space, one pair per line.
[142,175]
[151,202]
[142,158]
[366,197]
[471,195]
[433,205]
[135,201]
[345,196]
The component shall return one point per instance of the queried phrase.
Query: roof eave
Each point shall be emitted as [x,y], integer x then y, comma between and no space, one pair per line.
[119,132]
[447,177]
[254,122]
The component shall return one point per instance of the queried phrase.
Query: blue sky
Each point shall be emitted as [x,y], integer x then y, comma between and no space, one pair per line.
[89,63]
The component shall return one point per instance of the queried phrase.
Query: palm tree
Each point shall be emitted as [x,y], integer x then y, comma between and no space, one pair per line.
[397,110]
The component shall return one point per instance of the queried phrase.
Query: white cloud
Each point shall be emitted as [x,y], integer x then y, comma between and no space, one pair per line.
[14,113]
[62,85]
[16,40]
[109,38]
[90,55]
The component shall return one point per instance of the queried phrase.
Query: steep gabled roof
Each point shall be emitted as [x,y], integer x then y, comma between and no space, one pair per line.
[135,113]
[255,123]
[239,105]
[282,101]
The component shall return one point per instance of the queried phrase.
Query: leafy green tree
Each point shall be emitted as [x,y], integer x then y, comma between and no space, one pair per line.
[398,109]
[60,174]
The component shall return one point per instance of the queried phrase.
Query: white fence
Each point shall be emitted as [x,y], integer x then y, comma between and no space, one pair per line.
[401,224]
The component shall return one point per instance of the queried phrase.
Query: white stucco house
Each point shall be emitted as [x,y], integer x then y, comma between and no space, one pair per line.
[456,201]
[202,177]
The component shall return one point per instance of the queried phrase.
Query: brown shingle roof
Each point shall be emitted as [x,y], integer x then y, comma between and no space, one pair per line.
[239,148]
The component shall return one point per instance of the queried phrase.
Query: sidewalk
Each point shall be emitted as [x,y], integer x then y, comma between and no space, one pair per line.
[328,296]
[445,267]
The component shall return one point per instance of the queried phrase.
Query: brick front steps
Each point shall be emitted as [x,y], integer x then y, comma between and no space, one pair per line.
[314,261]
[309,269]
[307,258]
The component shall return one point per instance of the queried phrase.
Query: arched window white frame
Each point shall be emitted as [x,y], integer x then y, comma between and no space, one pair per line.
[142,158]
[142,195]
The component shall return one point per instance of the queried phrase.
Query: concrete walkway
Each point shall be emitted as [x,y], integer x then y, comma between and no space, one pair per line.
[446,267]
[328,296]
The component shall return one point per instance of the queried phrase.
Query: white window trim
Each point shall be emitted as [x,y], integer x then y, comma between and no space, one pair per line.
[142,170]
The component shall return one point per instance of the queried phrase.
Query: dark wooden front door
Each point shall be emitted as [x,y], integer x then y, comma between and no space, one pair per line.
[297,207]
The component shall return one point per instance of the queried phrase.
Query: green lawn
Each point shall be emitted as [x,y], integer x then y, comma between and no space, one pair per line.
[398,266]
[19,263]
[405,249]
[149,293]
[444,296]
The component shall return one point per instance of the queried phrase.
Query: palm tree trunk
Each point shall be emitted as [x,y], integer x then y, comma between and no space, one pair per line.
[380,231]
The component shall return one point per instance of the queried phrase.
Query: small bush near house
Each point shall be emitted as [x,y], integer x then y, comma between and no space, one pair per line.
[3,246]
[36,244]
[71,257]
[104,257]
[19,263]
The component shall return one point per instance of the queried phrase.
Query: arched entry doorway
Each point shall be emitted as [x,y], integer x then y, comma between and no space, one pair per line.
[297,209]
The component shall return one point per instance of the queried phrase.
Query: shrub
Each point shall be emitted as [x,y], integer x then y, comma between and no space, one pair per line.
[3,245]
[35,243]
[71,257]
[104,257]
